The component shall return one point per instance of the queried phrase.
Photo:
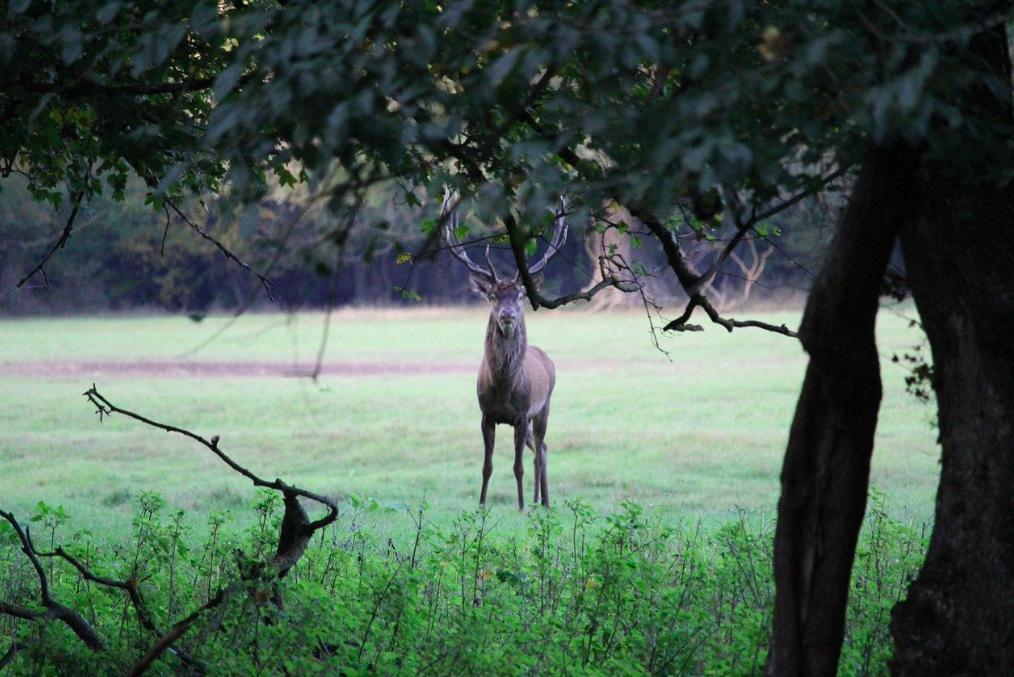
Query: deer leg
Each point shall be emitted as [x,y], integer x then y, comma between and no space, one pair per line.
[545,475]
[534,446]
[520,437]
[488,437]
[539,426]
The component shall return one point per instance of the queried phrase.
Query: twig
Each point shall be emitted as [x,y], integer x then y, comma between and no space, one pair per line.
[686,278]
[265,282]
[54,610]
[64,236]
[165,233]
[744,227]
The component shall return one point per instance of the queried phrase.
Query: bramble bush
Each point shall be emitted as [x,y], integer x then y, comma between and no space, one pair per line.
[576,593]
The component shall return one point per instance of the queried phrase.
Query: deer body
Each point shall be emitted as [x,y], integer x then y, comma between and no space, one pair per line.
[514,387]
[516,380]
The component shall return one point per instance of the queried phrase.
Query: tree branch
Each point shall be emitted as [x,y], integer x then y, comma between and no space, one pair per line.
[221,247]
[674,256]
[53,609]
[96,89]
[686,277]
[106,408]
[538,300]
[177,631]
[64,236]
[11,653]
[744,227]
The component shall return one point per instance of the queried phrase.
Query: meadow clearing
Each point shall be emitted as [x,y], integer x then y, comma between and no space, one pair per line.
[656,559]
[697,433]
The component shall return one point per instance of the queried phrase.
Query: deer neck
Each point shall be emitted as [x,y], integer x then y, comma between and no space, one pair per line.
[505,355]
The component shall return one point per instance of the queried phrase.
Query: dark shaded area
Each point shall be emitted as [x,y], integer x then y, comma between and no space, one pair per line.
[122,256]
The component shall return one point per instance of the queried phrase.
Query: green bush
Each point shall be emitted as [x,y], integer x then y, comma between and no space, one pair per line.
[576,594]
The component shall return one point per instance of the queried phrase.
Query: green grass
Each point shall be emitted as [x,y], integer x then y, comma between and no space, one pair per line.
[700,433]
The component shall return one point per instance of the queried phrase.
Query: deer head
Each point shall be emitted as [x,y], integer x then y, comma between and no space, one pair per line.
[506,296]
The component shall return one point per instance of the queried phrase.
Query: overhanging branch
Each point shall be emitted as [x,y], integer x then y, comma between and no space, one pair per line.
[221,247]
[674,256]
[686,277]
[538,300]
[64,236]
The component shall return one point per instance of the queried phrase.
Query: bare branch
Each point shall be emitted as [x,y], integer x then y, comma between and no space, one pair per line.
[686,278]
[64,236]
[744,227]
[106,408]
[267,284]
[53,609]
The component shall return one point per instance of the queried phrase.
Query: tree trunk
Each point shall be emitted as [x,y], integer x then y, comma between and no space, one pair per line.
[958,618]
[826,472]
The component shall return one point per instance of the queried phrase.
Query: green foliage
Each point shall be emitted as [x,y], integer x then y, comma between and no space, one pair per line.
[94,91]
[659,104]
[577,593]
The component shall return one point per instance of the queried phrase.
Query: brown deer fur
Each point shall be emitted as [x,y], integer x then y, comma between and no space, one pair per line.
[516,380]
[515,384]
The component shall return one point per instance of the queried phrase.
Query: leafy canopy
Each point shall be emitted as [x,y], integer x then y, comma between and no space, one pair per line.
[658,104]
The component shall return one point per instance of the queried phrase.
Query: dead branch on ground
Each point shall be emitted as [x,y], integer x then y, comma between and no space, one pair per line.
[294,536]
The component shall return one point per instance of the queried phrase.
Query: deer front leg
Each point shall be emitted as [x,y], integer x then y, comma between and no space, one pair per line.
[520,437]
[488,439]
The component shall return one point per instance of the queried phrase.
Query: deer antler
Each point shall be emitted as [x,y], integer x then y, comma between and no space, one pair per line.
[559,237]
[458,249]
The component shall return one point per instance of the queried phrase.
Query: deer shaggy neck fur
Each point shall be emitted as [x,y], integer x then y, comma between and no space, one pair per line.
[505,355]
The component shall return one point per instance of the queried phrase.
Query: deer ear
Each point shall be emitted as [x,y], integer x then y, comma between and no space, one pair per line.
[479,285]
[537,281]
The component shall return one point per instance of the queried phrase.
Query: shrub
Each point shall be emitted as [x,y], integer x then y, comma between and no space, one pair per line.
[577,593]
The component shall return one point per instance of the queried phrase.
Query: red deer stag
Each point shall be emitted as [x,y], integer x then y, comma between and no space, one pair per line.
[516,380]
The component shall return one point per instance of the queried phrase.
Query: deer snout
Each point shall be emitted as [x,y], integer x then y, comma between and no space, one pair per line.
[508,316]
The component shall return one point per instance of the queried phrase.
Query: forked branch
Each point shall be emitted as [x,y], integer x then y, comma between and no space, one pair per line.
[61,241]
[677,261]
[104,407]
[52,610]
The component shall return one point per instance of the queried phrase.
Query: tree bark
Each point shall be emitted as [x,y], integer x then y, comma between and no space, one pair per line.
[958,618]
[825,476]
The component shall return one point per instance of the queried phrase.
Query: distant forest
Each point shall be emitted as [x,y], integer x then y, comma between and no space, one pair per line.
[126,256]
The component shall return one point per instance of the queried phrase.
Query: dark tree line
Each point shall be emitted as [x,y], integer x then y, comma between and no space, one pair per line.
[129,257]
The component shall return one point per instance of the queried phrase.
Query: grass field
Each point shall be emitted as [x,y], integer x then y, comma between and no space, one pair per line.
[699,433]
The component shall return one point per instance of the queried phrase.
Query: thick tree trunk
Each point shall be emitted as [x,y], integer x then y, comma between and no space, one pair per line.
[958,618]
[826,472]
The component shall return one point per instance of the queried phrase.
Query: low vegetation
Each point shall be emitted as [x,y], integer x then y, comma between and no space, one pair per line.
[576,593]
[662,566]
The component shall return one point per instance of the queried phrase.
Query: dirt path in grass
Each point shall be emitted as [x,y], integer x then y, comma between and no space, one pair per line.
[201,369]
